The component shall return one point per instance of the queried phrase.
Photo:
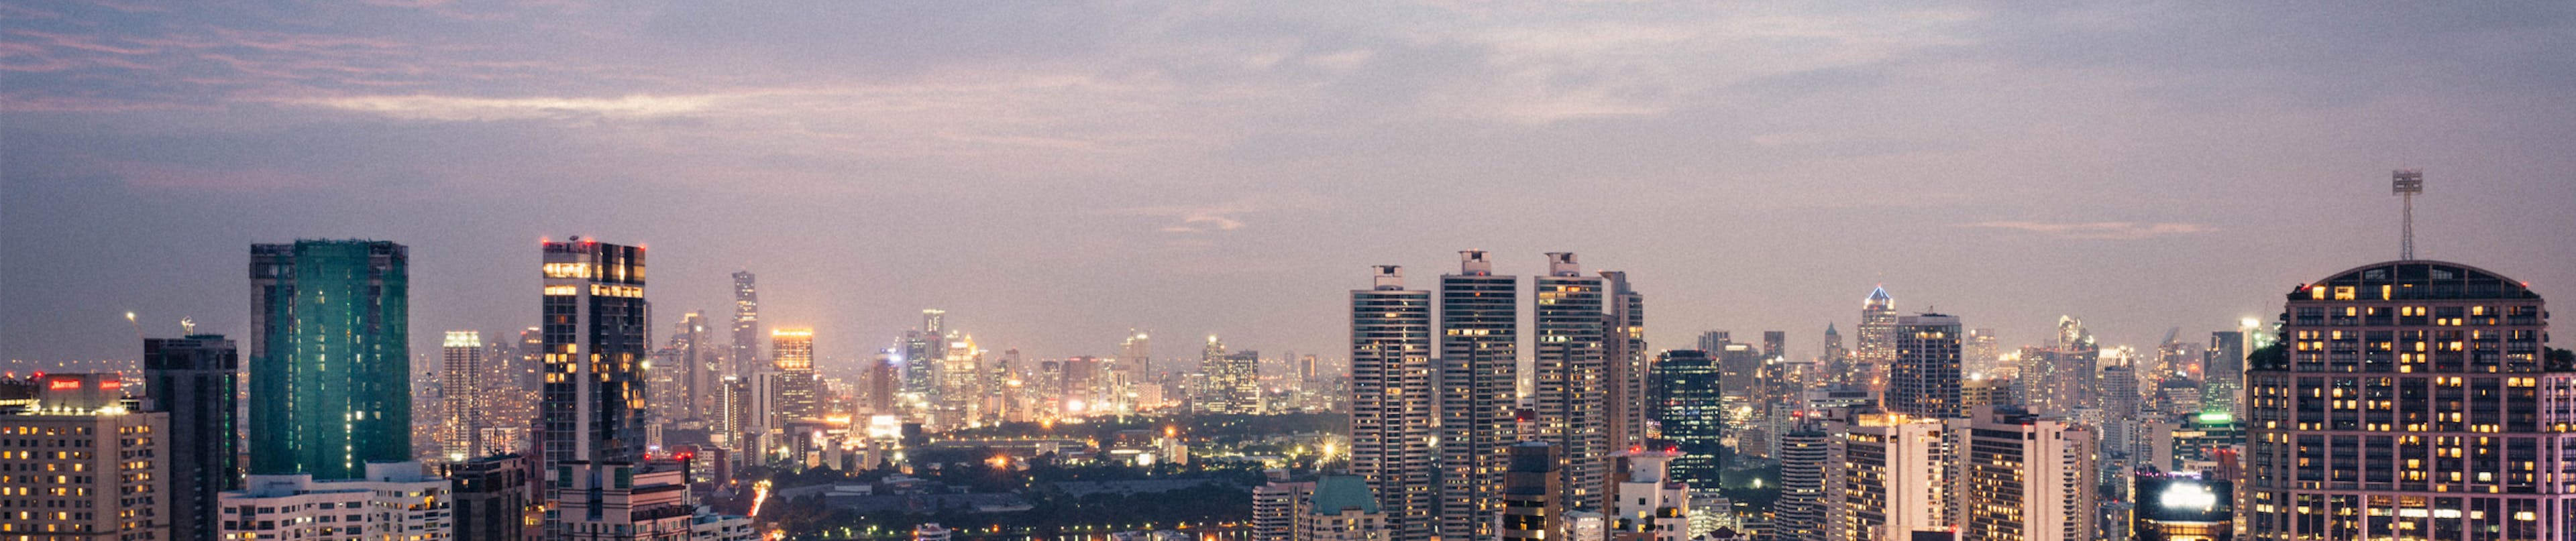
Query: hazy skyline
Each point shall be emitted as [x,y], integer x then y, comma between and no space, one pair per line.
[1053,174]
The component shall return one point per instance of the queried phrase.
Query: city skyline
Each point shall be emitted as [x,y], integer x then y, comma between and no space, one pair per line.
[1056,177]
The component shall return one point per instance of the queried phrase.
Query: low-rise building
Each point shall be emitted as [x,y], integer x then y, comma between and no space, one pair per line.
[396,500]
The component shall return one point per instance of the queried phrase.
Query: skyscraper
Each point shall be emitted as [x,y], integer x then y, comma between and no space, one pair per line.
[2057,379]
[458,390]
[1836,361]
[2020,477]
[195,380]
[696,369]
[2223,373]
[1623,358]
[1479,379]
[1531,509]
[1568,377]
[1877,341]
[330,357]
[1136,357]
[1691,412]
[1884,477]
[746,323]
[792,357]
[2410,399]
[595,344]
[1923,379]
[1799,514]
[1391,399]
[1980,352]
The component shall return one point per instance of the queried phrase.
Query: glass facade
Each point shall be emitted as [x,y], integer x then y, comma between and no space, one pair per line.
[330,356]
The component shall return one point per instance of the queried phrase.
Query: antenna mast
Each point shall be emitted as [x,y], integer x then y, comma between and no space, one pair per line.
[2406,183]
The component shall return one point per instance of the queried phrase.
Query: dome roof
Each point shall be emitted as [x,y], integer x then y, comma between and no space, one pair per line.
[2424,279]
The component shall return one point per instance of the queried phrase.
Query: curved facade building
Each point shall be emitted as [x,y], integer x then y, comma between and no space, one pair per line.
[2411,400]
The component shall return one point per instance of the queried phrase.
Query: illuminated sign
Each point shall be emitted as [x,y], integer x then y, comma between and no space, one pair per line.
[2188,496]
[62,384]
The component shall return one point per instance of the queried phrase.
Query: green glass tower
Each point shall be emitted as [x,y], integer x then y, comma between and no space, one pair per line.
[329,355]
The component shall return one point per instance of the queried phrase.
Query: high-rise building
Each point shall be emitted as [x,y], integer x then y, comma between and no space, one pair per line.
[1645,504]
[393,500]
[791,353]
[495,499]
[1276,507]
[1391,399]
[1981,354]
[1836,361]
[1690,412]
[2222,387]
[1479,379]
[1876,346]
[634,502]
[1884,476]
[1233,383]
[1569,390]
[1923,378]
[1624,362]
[881,381]
[694,368]
[1715,340]
[746,324]
[2411,399]
[1136,356]
[330,357]
[2056,380]
[595,345]
[458,395]
[1799,514]
[2019,477]
[196,381]
[85,468]
[1531,508]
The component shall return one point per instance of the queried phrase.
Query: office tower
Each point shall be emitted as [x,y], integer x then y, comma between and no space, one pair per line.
[881,384]
[922,352]
[2116,391]
[1341,509]
[2058,379]
[1739,368]
[1836,360]
[329,357]
[494,499]
[391,498]
[1479,382]
[2019,477]
[791,353]
[746,324]
[1979,354]
[692,367]
[1645,505]
[595,344]
[1136,356]
[195,381]
[2411,398]
[2183,507]
[1569,391]
[1799,514]
[1715,340]
[1233,381]
[1277,506]
[1884,476]
[1690,412]
[1531,488]
[1985,392]
[2222,387]
[1624,362]
[1391,399]
[458,390]
[1923,379]
[91,470]
[734,420]
[960,386]
[1877,340]
[1775,344]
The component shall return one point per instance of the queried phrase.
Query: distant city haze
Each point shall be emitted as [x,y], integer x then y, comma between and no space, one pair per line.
[1053,175]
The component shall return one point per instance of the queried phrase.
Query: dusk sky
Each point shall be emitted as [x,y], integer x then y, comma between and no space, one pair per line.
[1055,173]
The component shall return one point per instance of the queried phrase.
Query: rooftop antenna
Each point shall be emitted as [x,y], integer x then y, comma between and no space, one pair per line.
[2406,183]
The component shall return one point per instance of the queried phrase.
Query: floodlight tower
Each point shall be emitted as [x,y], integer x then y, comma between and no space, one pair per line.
[2406,183]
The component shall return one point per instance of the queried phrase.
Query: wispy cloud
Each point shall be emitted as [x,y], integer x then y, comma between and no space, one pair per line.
[472,108]
[2098,230]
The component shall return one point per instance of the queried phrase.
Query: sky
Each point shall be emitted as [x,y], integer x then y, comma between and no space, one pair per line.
[1055,173]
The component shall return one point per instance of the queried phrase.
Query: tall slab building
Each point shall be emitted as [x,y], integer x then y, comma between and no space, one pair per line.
[196,381]
[1391,400]
[1570,392]
[1923,380]
[1624,361]
[746,324]
[459,393]
[595,344]
[330,357]
[2411,399]
[1875,347]
[1479,381]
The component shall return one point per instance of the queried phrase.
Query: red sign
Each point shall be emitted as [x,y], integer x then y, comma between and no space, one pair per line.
[62,384]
